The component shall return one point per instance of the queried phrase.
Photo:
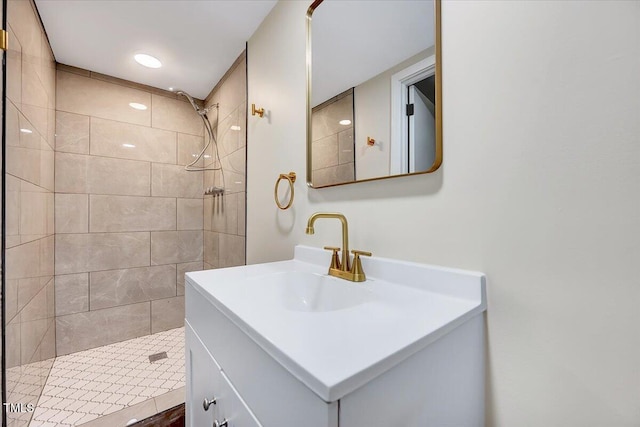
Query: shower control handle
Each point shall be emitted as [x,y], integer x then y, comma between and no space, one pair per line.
[224,423]
[208,402]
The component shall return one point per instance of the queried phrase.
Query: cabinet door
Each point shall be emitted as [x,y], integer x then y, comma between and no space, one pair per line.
[203,382]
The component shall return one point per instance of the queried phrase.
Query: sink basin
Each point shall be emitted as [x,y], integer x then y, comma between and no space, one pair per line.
[332,334]
[308,291]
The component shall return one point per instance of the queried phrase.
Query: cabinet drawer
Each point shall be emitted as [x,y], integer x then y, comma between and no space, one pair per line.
[206,381]
[275,396]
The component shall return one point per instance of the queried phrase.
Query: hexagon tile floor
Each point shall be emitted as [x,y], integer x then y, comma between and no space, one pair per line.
[92,383]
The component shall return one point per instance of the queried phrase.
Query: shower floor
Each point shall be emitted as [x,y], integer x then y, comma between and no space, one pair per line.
[93,383]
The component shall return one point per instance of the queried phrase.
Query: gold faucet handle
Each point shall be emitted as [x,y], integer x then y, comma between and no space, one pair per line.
[335,260]
[358,253]
[356,268]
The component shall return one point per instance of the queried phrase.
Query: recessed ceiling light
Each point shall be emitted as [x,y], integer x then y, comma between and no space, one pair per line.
[345,122]
[26,131]
[147,60]
[128,145]
[137,106]
[235,127]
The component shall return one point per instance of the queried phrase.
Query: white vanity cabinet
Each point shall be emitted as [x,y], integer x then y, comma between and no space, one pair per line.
[387,354]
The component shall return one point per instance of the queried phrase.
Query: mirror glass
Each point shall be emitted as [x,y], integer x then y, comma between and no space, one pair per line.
[373,90]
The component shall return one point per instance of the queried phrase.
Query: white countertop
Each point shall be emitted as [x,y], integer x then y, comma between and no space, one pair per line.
[373,325]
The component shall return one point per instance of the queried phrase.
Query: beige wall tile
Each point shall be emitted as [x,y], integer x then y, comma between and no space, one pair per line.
[175,115]
[19,132]
[12,336]
[242,213]
[31,335]
[72,133]
[76,173]
[33,92]
[233,91]
[23,261]
[91,97]
[79,253]
[174,181]
[47,250]
[14,69]
[33,218]
[37,116]
[129,213]
[208,212]
[171,247]
[189,146]
[121,287]
[47,169]
[81,331]
[24,163]
[28,288]
[114,139]
[231,250]
[72,293]
[36,307]
[167,314]
[72,213]
[211,248]
[182,269]
[225,214]
[190,214]
[334,174]
[231,132]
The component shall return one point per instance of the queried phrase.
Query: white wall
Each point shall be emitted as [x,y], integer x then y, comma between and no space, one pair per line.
[539,189]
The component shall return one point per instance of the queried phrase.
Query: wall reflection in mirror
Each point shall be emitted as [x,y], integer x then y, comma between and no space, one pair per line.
[374,91]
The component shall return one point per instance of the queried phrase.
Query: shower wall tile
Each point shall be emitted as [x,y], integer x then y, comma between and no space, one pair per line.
[76,173]
[224,214]
[167,314]
[14,68]
[182,269]
[172,247]
[174,181]
[78,253]
[212,252]
[190,214]
[72,213]
[175,115]
[325,152]
[96,98]
[120,287]
[231,250]
[29,216]
[126,141]
[72,293]
[72,133]
[189,146]
[242,208]
[81,331]
[128,213]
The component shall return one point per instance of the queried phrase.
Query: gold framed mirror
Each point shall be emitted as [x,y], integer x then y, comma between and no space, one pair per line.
[374,90]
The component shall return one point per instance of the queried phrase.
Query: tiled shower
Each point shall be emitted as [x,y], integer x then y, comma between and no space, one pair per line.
[102,220]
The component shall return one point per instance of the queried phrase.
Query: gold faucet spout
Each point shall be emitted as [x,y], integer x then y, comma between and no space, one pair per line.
[346,260]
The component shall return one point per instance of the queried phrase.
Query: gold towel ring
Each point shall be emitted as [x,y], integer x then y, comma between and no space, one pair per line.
[291,177]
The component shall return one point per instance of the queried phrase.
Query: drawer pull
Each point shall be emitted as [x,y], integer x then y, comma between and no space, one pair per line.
[224,423]
[208,403]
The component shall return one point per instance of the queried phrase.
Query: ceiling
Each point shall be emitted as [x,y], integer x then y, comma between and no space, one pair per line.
[196,41]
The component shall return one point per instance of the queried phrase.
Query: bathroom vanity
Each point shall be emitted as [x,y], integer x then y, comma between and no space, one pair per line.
[285,345]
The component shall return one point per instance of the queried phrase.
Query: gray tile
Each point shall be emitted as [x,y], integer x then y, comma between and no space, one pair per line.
[190,214]
[231,250]
[167,314]
[72,293]
[91,97]
[186,268]
[126,141]
[81,331]
[76,173]
[175,115]
[130,213]
[172,247]
[127,286]
[211,248]
[72,213]
[174,181]
[78,253]
[225,214]
[72,133]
